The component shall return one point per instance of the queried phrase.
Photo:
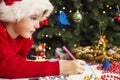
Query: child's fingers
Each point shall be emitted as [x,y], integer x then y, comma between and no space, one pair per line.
[81,67]
[80,71]
[82,62]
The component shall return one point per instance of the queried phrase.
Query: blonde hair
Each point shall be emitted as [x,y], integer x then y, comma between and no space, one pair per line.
[21,9]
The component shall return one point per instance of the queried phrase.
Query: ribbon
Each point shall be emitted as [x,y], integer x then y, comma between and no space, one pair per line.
[45,22]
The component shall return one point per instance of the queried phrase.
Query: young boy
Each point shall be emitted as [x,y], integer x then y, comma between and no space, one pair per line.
[18,21]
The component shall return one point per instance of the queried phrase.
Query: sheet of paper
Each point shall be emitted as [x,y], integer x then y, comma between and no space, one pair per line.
[89,70]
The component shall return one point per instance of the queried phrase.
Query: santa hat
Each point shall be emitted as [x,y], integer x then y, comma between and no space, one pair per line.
[12,10]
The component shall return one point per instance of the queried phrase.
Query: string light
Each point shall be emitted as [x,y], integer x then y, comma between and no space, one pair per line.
[44,43]
[49,48]
[55,11]
[70,11]
[59,34]
[60,11]
[63,8]
[107,6]
[104,12]
[110,7]
[75,45]
[46,35]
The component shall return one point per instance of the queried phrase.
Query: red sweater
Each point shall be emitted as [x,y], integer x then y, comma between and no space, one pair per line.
[13,62]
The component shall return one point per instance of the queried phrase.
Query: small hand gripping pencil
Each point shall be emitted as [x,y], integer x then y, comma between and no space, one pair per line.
[68,52]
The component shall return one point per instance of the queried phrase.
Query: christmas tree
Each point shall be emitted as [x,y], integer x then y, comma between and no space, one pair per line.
[80,23]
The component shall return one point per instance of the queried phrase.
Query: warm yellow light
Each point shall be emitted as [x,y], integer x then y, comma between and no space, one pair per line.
[55,11]
[59,34]
[46,35]
[63,8]
[104,12]
[49,48]
[44,43]
[107,5]
[75,45]
[110,7]
[70,11]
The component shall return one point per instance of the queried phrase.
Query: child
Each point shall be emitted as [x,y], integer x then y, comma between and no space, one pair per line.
[18,21]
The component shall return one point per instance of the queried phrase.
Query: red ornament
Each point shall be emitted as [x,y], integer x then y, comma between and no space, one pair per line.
[118,19]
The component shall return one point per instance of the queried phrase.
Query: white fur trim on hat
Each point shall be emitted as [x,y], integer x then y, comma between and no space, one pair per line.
[21,9]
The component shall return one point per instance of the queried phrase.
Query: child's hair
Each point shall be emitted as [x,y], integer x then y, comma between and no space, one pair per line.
[20,9]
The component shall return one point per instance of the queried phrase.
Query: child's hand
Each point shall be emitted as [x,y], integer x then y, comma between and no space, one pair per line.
[72,67]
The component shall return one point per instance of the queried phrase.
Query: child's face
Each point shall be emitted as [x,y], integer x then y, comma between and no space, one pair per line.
[27,26]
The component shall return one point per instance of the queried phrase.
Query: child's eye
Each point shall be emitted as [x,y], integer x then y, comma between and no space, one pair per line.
[34,18]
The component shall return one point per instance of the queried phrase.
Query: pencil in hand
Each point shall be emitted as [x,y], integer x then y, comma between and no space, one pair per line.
[68,52]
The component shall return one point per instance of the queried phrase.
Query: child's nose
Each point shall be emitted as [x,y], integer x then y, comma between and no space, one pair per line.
[37,25]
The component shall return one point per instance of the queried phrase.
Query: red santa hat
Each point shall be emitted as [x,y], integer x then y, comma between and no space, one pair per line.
[12,10]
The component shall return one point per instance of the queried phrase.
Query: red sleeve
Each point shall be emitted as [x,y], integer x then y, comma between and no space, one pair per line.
[25,47]
[14,65]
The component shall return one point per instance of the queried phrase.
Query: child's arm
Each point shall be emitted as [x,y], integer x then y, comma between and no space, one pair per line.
[13,63]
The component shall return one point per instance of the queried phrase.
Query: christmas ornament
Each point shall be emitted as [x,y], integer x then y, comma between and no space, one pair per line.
[102,43]
[77,17]
[45,22]
[62,19]
[118,19]
[40,51]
